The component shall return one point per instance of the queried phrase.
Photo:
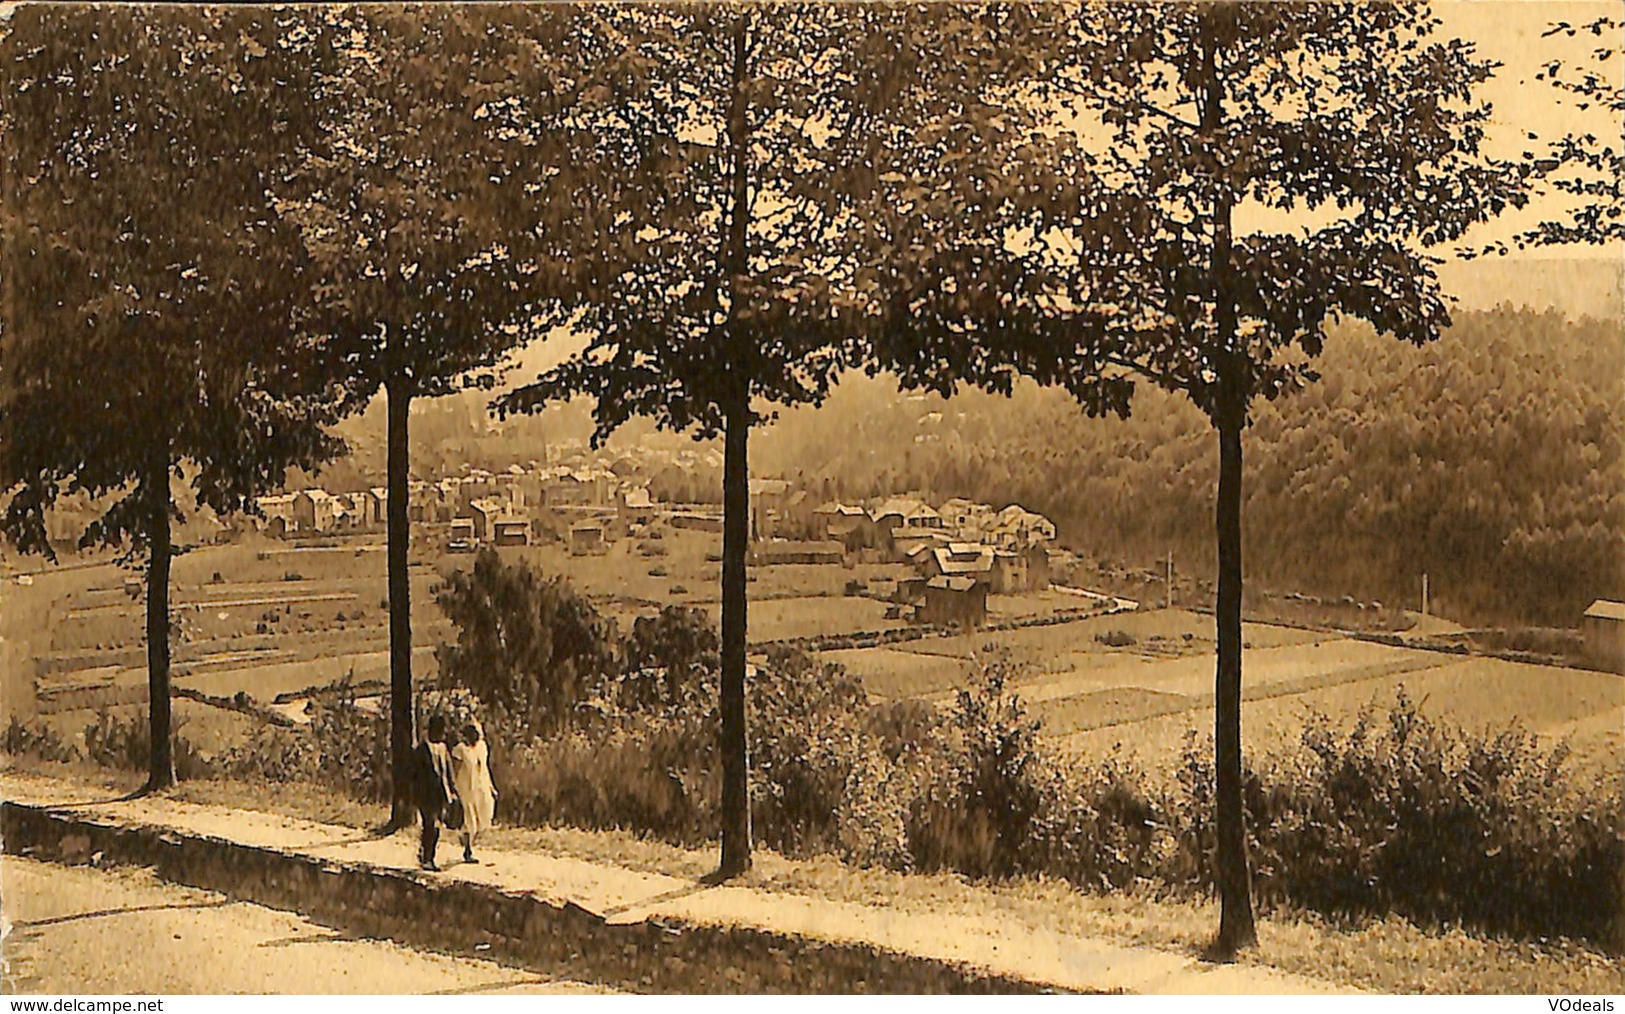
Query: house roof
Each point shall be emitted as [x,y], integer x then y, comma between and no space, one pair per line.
[950,583]
[904,507]
[949,563]
[844,510]
[587,526]
[1605,609]
[769,487]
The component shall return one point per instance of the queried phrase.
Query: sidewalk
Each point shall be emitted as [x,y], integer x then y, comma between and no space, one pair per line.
[609,896]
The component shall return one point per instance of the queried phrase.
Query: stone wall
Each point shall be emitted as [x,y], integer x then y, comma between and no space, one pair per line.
[549,936]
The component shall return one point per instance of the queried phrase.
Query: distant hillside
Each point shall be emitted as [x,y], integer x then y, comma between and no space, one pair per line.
[1579,286]
[1491,460]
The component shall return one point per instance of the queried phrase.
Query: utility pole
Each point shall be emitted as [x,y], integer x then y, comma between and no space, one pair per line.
[1424,594]
[1170,578]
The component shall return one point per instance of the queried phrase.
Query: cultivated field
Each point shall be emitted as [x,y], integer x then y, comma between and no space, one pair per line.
[268,618]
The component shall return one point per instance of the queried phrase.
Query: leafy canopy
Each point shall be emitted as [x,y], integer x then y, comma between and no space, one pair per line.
[149,283]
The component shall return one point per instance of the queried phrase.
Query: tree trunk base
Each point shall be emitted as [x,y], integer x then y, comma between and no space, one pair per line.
[726,872]
[1224,951]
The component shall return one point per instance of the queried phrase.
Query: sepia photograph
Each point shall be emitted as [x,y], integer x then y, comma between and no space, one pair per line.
[1108,497]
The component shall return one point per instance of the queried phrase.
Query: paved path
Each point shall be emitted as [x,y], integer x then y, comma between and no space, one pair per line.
[82,930]
[996,944]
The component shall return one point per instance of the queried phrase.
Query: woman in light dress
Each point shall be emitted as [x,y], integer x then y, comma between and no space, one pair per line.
[471,774]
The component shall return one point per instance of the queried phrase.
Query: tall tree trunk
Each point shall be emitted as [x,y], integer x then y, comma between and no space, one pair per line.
[399,396]
[736,845]
[1228,411]
[160,757]
[735,755]
[1236,928]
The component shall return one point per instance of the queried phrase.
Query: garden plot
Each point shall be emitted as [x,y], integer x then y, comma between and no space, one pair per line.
[1476,694]
[265,682]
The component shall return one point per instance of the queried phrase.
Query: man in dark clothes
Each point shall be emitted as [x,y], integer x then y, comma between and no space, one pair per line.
[433,789]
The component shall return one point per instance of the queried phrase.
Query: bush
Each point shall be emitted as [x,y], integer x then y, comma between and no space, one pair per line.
[1116,639]
[657,571]
[125,743]
[978,813]
[529,647]
[1408,816]
[41,741]
[293,575]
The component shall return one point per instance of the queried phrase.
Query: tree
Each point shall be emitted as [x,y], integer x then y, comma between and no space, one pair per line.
[755,180]
[531,647]
[1589,169]
[149,284]
[420,210]
[1226,179]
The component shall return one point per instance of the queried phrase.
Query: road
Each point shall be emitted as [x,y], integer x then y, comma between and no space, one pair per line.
[82,930]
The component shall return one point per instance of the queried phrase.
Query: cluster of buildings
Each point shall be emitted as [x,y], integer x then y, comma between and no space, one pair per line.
[959,552]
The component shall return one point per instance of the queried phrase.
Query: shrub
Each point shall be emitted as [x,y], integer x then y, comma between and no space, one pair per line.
[657,571]
[976,814]
[40,741]
[1405,815]
[293,575]
[125,743]
[530,647]
[1116,638]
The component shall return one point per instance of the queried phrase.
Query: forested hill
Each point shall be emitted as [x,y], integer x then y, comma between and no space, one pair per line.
[1490,460]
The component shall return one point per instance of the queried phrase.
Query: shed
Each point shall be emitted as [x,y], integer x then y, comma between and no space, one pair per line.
[587,538]
[953,602]
[1603,628]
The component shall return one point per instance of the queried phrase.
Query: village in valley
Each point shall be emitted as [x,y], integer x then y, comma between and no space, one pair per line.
[958,552]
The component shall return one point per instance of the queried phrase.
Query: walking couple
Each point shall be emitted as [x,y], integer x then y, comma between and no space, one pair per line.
[453,788]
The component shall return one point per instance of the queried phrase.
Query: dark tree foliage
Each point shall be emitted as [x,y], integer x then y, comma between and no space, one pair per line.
[753,182]
[149,285]
[422,206]
[1588,168]
[531,647]
[678,644]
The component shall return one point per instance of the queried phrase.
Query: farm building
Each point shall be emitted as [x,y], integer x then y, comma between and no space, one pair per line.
[278,512]
[959,559]
[1016,528]
[587,538]
[953,602]
[378,506]
[510,531]
[843,523]
[313,510]
[635,505]
[900,511]
[484,512]
[1603,627]
[460,536]
[1009,575]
